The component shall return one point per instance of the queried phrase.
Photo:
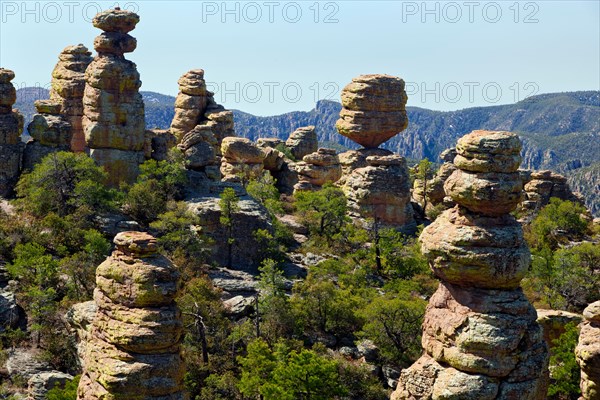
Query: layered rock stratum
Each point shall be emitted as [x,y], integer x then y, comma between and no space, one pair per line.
[373,109]
[113,120]
[480,335]
[587,352]
[11,126]
[316,169]
[67,88]
[135,336]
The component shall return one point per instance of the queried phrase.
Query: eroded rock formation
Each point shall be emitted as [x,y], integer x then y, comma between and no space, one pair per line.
[68,85]
[480,334]
[373,109]
[540,186]
[11,126]
[431,193]
[50,131]
[113,120]
[242,159]
[381,190]
[587,352]
[134,350]
[200,124]
[317,169]
[302,142]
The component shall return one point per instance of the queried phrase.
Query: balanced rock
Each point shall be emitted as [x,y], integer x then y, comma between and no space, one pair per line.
[50,131]
[67,88]
[113,120]
[191,102]
[134,350]
[242,159]
[373,109]
[480,334]
[486,180]
[587,352]
[381,191]
[316,169]
[11,126]
[302,142]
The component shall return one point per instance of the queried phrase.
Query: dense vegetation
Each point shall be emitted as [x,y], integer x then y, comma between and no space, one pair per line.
[370,290]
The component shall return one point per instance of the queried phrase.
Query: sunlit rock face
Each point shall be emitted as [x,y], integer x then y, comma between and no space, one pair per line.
[480,335]
[11,126]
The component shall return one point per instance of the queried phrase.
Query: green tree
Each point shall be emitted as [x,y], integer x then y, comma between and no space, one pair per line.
[62,183]
[564,370]
[323,211]
[229,205]
[423,172]
[263,190]
[69,392]
[274,310]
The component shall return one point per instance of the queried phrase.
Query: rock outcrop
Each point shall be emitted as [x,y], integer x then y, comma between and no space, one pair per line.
[241,159]
[317,169]
[553,324]
[39,384]
[480,334]
[200,124]
[373,109]
[587,352]
[381,191]
[113,120]
[134,350]
[540,186]
[67,88]
[50,131]
[302,142]
[431,193]
[11,126]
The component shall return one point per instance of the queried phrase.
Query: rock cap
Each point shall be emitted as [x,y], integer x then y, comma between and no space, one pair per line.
[592,312]
[137,243]
[116,20]
[6,75]
[51,107]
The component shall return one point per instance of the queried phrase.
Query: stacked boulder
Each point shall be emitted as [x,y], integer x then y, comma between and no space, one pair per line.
[11,126]
[242,160]
[480,334]
[51,132]
[134,350]
[316,169]
[587,352]
[200,124]
[373,109]
[68,85]
[302,142]
[540,186]
[113,120]
[381,190]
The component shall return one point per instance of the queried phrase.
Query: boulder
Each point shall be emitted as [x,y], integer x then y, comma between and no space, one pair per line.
[302,142]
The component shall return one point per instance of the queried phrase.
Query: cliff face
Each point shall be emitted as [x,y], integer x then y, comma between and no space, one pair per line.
[480,334]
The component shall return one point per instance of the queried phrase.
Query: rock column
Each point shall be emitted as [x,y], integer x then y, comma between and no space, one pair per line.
[68,85]
[11,126]
[135,336]
[480,334]
[316,169]
[587,353]
[113,120]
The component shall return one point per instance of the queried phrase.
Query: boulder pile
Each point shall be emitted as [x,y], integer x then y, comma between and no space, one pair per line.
[113,119]
[316,169]
[11,126]
[242,159]
[135,336]
[480,334]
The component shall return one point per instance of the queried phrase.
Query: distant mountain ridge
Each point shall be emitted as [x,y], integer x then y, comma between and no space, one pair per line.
[560,131]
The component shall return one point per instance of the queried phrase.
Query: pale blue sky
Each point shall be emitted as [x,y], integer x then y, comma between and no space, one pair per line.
[277,56]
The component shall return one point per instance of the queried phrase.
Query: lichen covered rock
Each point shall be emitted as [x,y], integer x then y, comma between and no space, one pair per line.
[11,126]
[113,118]
[480,334]
[134,346]
[587,352]
[373,109]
